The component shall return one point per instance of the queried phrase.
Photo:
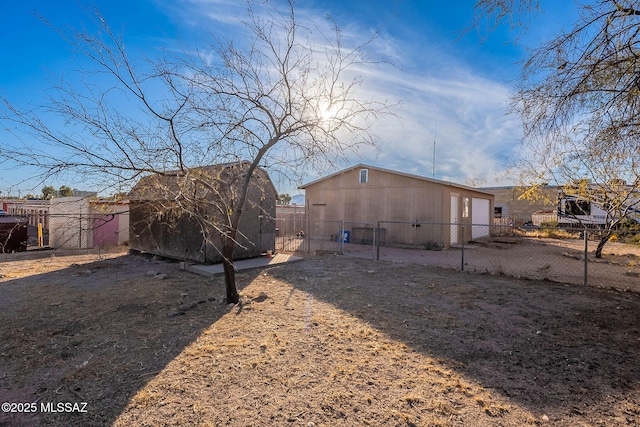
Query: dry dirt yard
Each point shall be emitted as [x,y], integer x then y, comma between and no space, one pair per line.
[336,341]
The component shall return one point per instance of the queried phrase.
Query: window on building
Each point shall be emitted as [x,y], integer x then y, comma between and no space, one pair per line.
[465,207]
[364,176]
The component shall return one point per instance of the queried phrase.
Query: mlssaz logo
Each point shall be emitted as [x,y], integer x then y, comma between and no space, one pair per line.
[63,407]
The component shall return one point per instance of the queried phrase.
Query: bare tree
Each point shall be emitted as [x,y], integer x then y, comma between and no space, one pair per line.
[277,101]
[490,14]
[590,177]
[579,103]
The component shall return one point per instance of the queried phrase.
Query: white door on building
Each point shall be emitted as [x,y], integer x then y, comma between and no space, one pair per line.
[453,239]
[480,216]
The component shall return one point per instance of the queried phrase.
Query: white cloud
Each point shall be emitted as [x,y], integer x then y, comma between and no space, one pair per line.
[465,114]
[441,96]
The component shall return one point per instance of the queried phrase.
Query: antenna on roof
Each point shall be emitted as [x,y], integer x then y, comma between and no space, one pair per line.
[433,171]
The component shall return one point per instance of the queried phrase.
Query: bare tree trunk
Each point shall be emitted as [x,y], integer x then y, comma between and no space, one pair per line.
[230,239]
[603,240]
[230,272]
[227,252]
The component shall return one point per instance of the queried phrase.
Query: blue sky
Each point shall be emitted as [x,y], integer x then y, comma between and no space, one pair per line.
[455,93]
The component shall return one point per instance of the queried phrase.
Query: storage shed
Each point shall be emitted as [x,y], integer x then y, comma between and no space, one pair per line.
[110,222]
[13,233]
[368,194]
[183,215]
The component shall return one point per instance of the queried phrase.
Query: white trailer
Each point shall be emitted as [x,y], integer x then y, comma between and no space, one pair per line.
[574,211]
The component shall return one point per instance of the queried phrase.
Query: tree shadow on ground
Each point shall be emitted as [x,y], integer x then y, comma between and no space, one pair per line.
[552,348]
[97,333]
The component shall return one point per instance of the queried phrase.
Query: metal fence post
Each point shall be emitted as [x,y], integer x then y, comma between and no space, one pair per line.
[462,257]
[341,237]
[375,237]
[377,241]
[307,231]
[586,251]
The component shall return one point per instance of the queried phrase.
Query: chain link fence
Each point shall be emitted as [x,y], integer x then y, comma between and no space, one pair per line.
[290,234]
[359,239]
[64,230]
[522,251]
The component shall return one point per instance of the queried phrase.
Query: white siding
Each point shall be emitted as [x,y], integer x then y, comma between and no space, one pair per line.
[70,223]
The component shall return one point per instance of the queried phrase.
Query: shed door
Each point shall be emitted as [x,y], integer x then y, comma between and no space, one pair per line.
[453,239]
[105,230]
[480,216]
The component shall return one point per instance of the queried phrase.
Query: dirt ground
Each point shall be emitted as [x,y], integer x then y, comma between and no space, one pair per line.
[330,341]
[532,256]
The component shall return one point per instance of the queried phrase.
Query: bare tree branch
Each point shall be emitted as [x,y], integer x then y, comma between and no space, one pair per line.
[275,102]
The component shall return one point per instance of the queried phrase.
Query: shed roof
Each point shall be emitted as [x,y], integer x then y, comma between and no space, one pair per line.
[408,175]
[168,185]
[13,219]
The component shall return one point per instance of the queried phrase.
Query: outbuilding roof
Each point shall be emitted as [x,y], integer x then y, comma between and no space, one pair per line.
[405,174]
[13,219]
[174,184]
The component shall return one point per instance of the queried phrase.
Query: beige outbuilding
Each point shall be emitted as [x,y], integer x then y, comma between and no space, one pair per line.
[444,212]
